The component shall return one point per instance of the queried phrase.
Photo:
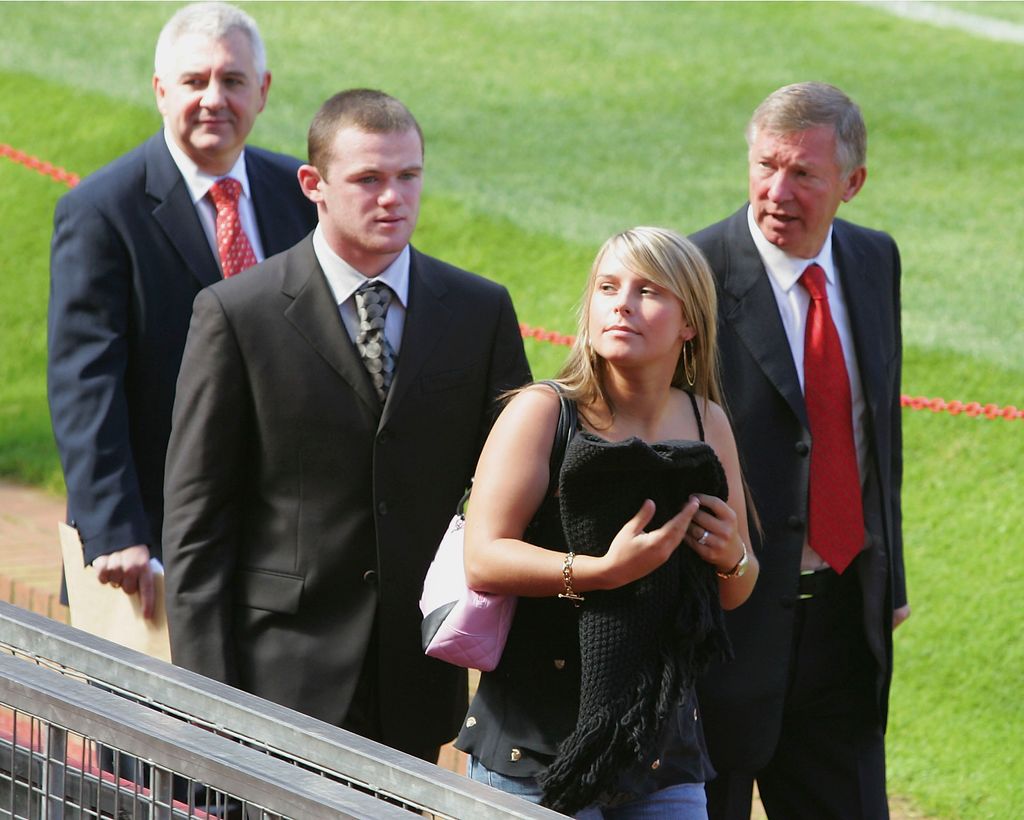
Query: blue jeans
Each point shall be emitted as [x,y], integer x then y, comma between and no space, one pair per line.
[684,801]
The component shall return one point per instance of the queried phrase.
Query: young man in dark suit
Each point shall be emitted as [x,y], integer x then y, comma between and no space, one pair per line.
[331,407]
[132,245]
[809,333]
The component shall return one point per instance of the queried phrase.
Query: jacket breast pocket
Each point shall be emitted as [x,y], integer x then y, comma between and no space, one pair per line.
[272,591]
[448,379]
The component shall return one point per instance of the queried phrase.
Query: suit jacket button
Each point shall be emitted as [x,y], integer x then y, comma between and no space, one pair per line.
[515,756]
[383,437]
[801,448]
[559,664]
[471,721]
[795,522]
[382,507]
[370,577]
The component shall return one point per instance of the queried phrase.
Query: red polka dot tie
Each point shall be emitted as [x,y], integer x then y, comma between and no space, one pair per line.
[232,244]
[836,520]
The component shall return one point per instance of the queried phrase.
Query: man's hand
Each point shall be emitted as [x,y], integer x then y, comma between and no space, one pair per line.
[129,569]
[900,614]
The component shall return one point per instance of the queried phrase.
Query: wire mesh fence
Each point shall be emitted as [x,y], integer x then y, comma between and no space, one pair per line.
[91,729]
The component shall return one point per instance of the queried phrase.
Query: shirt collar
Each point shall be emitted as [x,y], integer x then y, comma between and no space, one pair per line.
[785,269]
[200,182]
[344,280]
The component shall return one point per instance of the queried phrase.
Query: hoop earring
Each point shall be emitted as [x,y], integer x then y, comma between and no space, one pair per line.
[689,365]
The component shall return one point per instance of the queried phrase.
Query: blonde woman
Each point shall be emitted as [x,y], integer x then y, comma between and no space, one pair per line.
[642,369]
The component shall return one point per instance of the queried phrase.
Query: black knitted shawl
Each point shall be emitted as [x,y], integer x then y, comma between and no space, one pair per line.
[641,645]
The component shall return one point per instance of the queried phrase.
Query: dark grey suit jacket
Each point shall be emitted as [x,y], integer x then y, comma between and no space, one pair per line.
[127,259]
[743,700]
[298,512]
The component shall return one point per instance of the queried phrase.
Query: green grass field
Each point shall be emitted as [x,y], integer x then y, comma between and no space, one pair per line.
[550,126]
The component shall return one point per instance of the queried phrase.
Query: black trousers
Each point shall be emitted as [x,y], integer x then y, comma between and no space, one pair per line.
[363,717]
[830,760]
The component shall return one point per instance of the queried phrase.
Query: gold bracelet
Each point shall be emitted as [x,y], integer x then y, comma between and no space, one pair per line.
[738,570]
[570,593]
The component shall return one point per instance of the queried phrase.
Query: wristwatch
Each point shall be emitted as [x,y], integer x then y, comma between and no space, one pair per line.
[740,568]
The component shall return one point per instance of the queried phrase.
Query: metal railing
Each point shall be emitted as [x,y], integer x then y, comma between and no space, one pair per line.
[95,717]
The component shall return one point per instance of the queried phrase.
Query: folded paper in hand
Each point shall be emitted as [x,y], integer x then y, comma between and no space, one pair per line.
[107,612]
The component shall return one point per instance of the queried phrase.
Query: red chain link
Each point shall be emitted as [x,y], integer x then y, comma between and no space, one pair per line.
[44,168]
[955,408]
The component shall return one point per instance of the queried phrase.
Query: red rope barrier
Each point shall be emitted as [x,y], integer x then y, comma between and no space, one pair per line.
[954,408]
[38,165]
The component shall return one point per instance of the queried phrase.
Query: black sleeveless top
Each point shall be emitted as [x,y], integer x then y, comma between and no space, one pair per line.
[529,703]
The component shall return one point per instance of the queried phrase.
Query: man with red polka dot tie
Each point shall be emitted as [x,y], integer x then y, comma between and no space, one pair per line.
[132,246]
[233,245]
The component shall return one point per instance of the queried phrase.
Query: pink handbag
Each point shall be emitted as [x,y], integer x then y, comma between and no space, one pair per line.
[462,626]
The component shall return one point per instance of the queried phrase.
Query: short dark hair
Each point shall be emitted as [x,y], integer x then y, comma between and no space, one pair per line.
[366,109]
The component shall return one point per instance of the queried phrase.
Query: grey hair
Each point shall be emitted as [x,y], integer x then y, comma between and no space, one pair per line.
[801,106]
[215,20]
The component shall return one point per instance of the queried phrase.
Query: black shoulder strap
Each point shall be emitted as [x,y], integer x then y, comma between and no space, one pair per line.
[567,421]
[696,412]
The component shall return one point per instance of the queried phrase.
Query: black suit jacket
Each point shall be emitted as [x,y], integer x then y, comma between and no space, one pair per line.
[299,513]
[128,256]
[743,700]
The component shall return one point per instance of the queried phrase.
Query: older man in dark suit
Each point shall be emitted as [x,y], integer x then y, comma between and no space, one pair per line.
[331,407]
[132,245]
[809,318]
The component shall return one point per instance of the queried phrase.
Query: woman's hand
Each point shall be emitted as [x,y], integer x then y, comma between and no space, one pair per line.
[713,533]
[634,553]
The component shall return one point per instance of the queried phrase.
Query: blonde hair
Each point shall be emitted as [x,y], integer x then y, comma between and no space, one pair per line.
[670,261]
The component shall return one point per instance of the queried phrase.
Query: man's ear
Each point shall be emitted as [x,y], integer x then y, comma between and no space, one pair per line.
[159,92]
[854,183]
[264,88]
[309,182]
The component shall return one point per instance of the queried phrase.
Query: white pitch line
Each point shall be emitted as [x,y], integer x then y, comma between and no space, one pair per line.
[939,15]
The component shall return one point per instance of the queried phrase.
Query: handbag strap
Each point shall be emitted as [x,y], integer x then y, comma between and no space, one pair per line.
[567,421]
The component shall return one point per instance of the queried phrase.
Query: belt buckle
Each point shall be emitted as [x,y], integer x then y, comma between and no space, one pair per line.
[806,596]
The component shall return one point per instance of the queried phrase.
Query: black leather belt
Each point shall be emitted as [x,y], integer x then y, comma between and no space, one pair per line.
[816,582]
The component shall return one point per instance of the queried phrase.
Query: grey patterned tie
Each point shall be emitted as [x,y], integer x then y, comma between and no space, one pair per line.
[372,300]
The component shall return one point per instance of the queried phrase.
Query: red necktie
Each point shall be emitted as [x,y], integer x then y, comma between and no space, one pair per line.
[232,244]
[836,521]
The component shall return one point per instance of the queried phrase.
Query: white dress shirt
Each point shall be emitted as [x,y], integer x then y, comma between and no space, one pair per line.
[344,281]
[199,184]
[784,272]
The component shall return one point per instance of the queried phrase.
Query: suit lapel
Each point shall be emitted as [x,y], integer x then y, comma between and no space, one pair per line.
[268,205]
[176,214]
[754,314]
[862,300]
[425,316]
[315,316]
